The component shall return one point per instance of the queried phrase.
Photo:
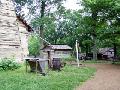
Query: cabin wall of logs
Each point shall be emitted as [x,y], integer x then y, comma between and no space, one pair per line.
[13,34]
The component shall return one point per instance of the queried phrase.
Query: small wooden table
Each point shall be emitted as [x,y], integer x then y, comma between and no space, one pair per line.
[36,61]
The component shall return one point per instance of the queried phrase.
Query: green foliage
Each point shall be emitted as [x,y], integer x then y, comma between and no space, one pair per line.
[69,78]
[21,2]
[33,45]
[97,61]
[8,64]
[96,25]
[69,59]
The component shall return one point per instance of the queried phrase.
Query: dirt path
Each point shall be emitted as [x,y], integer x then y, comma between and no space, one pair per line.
[107,78]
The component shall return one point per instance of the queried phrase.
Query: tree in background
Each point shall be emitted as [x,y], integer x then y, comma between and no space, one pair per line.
[110,33]
[97,24]
[97,12]
[33,45]
[39,22]
[43,7]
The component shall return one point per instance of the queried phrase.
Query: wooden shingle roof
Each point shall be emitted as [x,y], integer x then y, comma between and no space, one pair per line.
[28,27]
[56,47]
[104,50]
[60,47]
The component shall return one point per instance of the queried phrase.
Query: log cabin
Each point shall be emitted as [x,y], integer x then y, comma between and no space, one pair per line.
[57,51]
[13,32]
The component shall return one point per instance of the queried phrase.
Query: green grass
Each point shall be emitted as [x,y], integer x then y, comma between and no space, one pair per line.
[118,62]
[69,78]
[96,61]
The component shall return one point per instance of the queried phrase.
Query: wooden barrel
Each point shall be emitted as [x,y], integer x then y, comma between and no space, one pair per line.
[56,64]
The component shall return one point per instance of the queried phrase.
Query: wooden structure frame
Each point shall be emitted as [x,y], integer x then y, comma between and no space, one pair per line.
[36,61]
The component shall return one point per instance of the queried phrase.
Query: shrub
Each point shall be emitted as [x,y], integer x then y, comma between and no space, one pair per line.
[8,64]
[33,45]
[69,59]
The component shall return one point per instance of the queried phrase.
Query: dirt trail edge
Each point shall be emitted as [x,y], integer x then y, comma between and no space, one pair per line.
[107,77]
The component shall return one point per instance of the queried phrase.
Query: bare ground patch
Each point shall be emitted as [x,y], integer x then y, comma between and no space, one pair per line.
[107,77]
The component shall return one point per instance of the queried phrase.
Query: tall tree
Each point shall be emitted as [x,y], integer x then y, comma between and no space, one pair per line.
[110,33]
[42,8]
[96,10]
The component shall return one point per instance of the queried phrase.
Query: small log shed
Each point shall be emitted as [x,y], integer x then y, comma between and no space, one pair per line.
[56,51]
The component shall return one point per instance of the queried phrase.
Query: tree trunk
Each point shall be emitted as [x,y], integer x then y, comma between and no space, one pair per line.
[41,33]
[115,51]
[94,17]
[94,49]
[87,50]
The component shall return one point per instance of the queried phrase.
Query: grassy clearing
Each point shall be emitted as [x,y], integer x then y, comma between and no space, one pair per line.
[118,62]
[97,61]
[67,79]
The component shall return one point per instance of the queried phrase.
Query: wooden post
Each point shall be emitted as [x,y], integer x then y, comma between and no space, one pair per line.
[36,66]
[77,53]
[50,60]
[26,65]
